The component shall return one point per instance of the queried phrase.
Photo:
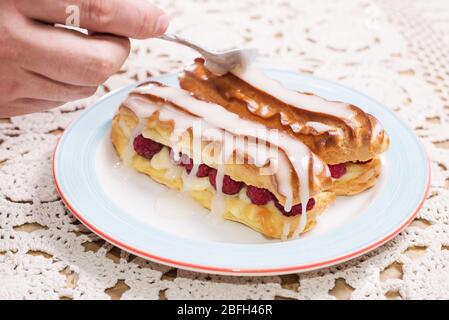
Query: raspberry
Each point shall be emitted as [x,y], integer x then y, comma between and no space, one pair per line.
[296,210]
[310,204]
[230,186]
[146,148]
[259,196]
[212,177]
[337,170]
[187,163]
[203,171]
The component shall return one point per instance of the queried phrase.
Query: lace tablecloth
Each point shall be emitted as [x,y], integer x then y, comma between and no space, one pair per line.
[395,51]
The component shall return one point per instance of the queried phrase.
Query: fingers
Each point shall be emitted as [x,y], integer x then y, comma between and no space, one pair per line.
[25,105]
[38,93]
[36,86]
[72,57]
[132,18]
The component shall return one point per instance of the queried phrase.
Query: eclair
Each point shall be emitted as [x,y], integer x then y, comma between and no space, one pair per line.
[233,166]
[345,137]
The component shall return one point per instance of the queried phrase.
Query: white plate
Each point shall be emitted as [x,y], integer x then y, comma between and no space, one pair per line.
[135,213]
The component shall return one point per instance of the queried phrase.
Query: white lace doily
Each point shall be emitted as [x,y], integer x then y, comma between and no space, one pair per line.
[394,51]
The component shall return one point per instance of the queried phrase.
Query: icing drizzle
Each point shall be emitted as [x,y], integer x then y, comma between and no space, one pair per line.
[312,103]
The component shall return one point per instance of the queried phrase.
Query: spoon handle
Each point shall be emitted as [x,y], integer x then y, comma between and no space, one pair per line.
[177,39]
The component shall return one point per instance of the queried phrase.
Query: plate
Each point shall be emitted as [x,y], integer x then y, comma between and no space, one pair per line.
[138,215]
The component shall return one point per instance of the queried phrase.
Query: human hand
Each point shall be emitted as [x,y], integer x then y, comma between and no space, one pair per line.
[43,66]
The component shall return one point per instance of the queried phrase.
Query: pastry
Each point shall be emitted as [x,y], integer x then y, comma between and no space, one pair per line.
[233,166]
[342,135]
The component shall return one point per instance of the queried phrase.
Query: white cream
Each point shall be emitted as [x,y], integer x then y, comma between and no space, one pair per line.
[161,160]
[243,196]
[192,182]
[192,175]
[173,173]
[200,184]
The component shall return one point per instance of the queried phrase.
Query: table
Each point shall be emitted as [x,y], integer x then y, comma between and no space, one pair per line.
[396,53]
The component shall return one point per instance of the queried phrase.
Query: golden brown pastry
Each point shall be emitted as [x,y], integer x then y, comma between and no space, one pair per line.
[154,131]
[342,135]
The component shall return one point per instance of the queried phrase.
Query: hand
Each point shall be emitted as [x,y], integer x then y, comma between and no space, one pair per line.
[43,66]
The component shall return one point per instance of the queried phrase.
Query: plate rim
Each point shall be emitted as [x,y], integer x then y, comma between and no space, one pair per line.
[244,271]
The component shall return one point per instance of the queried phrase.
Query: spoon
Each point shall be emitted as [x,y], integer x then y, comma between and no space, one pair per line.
[218,63]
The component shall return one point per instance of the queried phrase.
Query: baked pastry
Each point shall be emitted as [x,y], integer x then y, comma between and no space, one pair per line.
[342,135]
[271,184]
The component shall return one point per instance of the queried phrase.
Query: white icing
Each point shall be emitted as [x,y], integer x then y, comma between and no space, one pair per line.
[318,126]
[227,148]
[285,230]
[296,127]
[317,165]
[218,202]
[283,174]
[259,80]
[376,130]
[304,192]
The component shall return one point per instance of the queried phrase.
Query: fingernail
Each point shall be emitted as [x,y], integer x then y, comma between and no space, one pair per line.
[161,24]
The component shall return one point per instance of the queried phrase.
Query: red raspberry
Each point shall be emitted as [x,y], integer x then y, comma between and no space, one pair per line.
[259,196]
[337,170]
[212,177]
[310,204]
[230,186]
[203,171]
[296,210]
[146,148]
[187,163]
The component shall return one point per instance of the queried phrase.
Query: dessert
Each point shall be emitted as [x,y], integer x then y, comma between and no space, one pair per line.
[342,135]
[232,165]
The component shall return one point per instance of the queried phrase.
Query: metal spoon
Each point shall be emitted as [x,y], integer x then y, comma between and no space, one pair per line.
[217,62]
